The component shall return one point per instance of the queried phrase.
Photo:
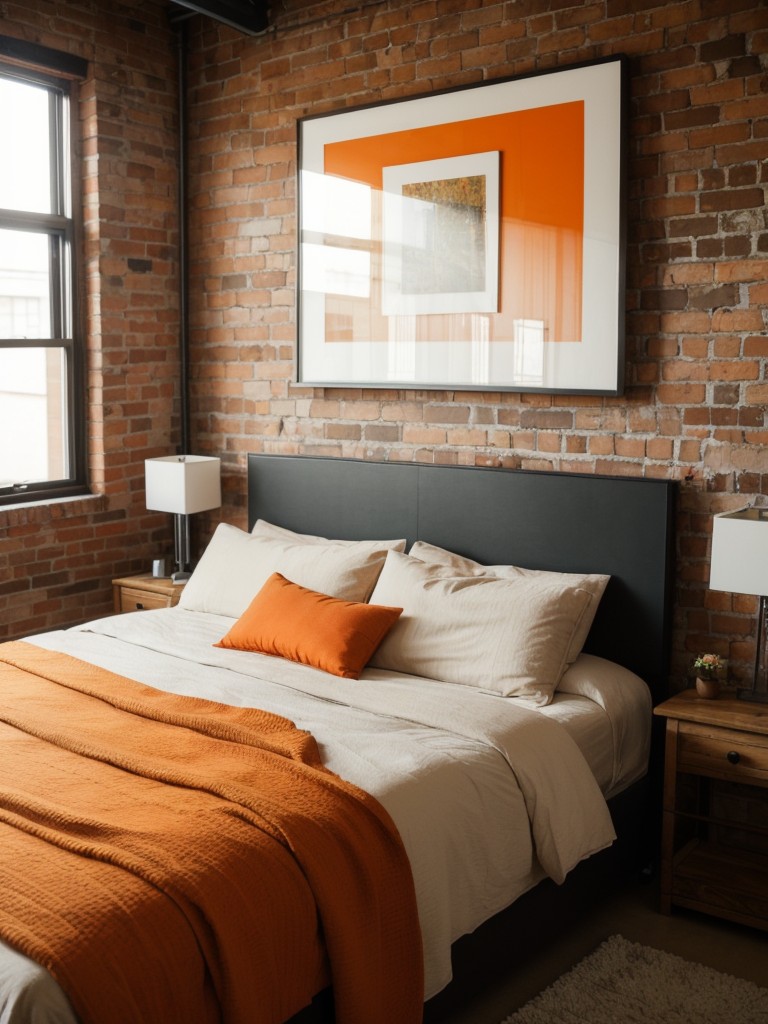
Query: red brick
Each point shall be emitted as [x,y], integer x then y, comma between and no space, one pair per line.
[695,192]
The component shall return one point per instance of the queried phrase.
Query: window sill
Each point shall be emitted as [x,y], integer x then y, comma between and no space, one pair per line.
[49,509]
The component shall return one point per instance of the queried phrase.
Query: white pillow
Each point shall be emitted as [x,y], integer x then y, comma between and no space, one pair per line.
[507,636]
[262,528]
[235,566]
[594,583]
[603,682]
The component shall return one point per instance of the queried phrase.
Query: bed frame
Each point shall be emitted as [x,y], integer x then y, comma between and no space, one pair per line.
[559,521]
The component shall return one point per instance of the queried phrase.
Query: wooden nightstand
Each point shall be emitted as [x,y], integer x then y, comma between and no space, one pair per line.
[136,593]
[714,854]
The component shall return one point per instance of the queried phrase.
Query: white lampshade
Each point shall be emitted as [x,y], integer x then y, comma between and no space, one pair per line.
[739,561]
[183,483]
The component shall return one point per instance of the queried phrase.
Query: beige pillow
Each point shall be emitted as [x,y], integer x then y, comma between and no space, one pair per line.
[262,528]
[236,565]
[506,636]
[594,583]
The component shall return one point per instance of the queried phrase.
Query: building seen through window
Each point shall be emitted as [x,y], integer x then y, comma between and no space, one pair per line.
[39,369]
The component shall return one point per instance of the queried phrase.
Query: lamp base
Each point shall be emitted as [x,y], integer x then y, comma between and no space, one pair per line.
[758,692]
[181,548]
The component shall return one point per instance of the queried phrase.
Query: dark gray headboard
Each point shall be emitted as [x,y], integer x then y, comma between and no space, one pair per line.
[560,521]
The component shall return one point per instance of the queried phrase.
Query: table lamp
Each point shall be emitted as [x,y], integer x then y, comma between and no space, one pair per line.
[182,484]
[739,563]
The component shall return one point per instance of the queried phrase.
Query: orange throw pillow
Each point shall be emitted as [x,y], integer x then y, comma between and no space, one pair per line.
[293,622]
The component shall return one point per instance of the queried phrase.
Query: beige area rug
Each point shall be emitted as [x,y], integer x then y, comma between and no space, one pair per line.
[623,983]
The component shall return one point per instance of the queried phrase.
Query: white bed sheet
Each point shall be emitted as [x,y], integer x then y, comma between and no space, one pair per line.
[460,810]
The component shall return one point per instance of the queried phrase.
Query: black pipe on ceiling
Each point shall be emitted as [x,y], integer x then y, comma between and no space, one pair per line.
[249,16]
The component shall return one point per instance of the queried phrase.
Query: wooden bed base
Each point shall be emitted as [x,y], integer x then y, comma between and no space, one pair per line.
[558,521]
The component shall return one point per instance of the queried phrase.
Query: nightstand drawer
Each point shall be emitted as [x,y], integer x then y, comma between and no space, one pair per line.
[722,753]
[140,600]
[143,593]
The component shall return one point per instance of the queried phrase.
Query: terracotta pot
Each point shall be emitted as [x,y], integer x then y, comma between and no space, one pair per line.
[707,688]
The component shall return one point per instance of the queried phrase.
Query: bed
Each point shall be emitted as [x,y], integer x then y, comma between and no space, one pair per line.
[471,781]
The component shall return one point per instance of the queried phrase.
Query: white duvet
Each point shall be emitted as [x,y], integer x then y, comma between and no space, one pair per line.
[488,793]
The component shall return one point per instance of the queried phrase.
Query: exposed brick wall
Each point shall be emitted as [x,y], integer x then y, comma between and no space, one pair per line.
[57,560]
[694,406]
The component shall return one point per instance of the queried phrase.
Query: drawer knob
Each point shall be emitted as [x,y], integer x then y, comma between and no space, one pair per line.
[733,757]
[140,607]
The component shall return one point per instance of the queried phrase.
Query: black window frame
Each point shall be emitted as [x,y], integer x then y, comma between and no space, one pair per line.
[58,74]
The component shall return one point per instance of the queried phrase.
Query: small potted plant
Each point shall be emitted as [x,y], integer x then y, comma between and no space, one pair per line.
[707,668]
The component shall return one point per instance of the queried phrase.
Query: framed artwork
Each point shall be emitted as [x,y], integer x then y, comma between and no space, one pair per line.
[472,238]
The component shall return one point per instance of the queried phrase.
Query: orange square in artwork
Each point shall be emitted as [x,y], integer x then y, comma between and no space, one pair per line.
[541,210]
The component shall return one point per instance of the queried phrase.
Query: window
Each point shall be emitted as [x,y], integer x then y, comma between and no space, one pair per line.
[42,400]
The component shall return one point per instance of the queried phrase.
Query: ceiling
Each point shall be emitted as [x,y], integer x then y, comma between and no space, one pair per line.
[249,16]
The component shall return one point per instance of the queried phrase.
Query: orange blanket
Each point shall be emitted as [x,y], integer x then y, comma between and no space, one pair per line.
[168,858]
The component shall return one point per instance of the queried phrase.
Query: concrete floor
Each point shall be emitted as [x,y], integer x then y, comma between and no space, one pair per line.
[633,913]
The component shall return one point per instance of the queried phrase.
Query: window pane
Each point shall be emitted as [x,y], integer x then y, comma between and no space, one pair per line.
[25,285]
[33,414]
[42,435]
[25,180]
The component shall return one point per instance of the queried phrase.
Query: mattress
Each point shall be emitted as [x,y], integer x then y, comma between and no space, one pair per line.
[441,758]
